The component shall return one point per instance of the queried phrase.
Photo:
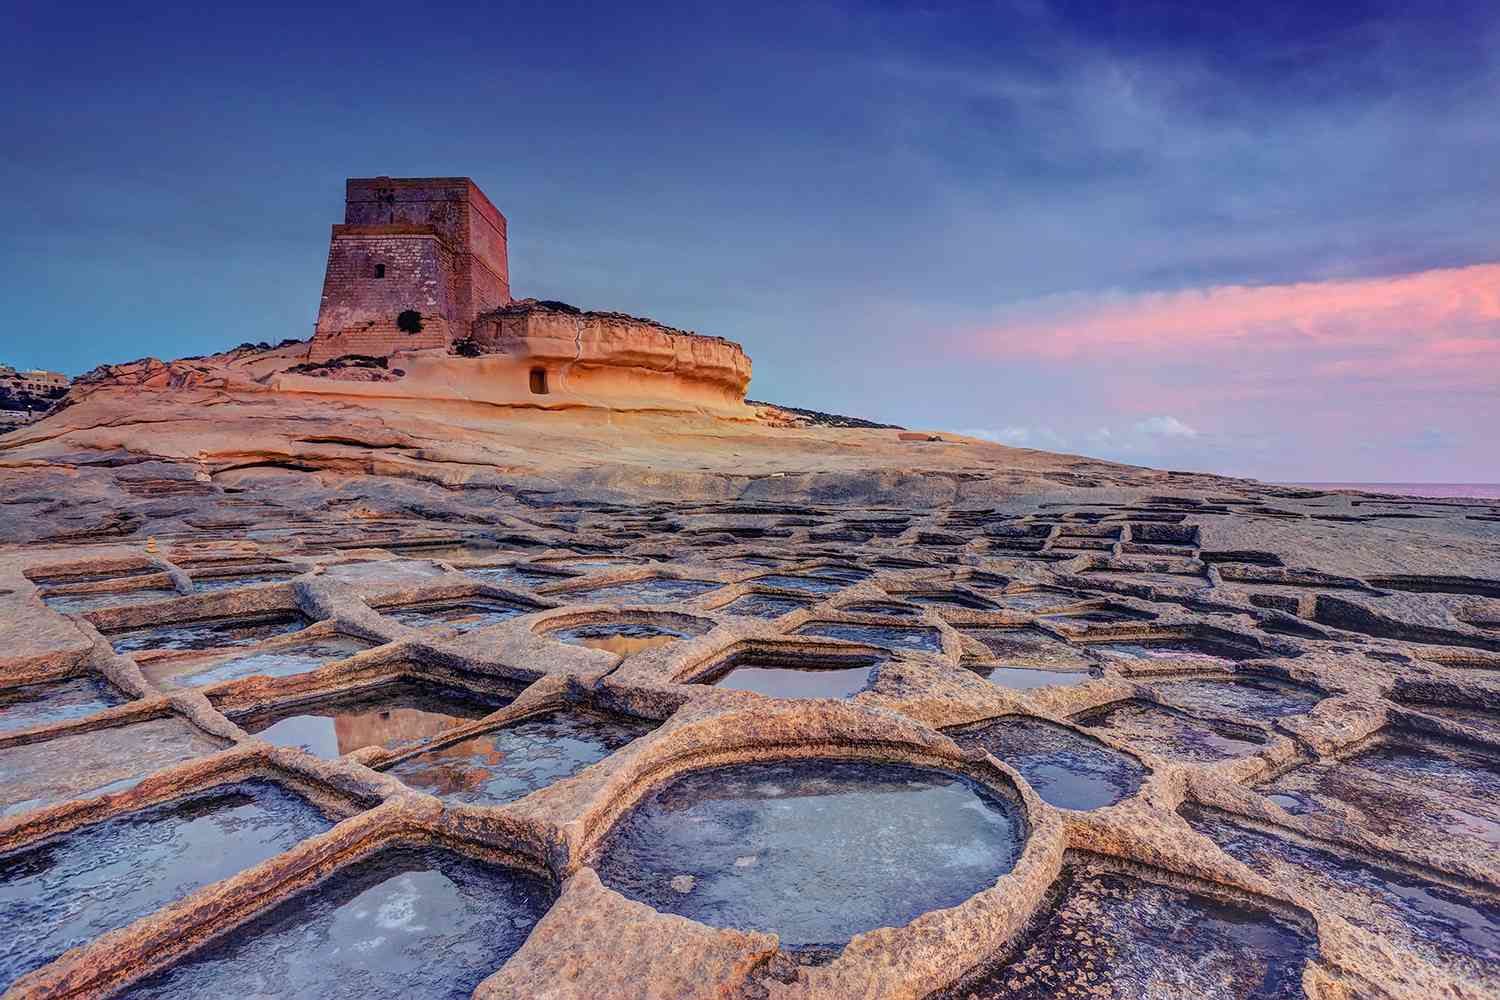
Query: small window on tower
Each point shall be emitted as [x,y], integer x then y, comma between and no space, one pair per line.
[539,381]
[380,270]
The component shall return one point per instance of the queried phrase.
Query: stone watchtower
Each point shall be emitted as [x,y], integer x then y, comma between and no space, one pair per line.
[433,246]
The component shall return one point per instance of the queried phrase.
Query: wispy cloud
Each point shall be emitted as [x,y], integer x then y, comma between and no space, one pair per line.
[1020,437]
[1154,436]
[1401,370]
[1165,426]
[1448,318]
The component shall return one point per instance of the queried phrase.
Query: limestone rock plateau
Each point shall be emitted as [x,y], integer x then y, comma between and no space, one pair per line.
[359,679]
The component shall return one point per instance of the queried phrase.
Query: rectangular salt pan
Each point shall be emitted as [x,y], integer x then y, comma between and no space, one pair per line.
[43,704]
[70,889]
[82,765]
[410,922]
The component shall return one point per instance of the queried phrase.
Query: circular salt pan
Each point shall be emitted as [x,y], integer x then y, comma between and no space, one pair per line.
[814,851]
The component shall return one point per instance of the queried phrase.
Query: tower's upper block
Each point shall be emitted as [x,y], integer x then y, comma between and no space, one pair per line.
[455,208]
[431,245]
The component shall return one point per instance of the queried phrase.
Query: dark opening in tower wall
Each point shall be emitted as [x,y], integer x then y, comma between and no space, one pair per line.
[432,243]
[539,381]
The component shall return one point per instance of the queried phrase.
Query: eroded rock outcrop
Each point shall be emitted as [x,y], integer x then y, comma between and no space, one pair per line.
[609,355]
[151,373]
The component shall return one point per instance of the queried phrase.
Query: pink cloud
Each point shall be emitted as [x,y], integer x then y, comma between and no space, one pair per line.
[1360,379]
[1440,328]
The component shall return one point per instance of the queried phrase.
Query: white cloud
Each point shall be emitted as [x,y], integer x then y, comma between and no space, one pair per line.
[1017,436]
[1165,426]
[1153,440]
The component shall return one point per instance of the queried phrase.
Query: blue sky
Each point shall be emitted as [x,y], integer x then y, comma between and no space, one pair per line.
[975,217]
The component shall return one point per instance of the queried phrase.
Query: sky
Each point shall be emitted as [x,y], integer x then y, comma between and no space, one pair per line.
[1254,239]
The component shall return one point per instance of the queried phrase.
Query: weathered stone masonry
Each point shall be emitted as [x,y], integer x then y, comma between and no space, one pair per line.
[435,245]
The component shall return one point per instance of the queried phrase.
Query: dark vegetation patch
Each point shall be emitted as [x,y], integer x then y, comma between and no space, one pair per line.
[820,419]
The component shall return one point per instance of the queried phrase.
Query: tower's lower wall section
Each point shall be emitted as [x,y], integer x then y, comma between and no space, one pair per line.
[376,273]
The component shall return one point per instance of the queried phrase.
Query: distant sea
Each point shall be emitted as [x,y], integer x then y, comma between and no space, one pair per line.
[1481,490]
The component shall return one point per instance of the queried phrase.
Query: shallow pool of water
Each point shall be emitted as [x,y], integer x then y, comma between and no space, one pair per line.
[1028,678]
[522,757]
[72,888]
[392,715]
[465,615]
[1066,768]
[889,608]
[98,762]
[1097,616]
[42,578]
[594,563]
[1036,600]
[410,922]
[653,591]
[620,638]
[951,599]
[807,583]
[208,634]
[927,640]
[170,674]
[1191,650]
[1029,646]
[784,681]
[1154,729]
[1456,930]
[756,562]
[1413,789]
[522,575]
[208,584]
[72,604]
[1171,580]
[1243,696]
[43,704]
[448,552]
[842,574]
[763,606]
[815,851]
[1116,936]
